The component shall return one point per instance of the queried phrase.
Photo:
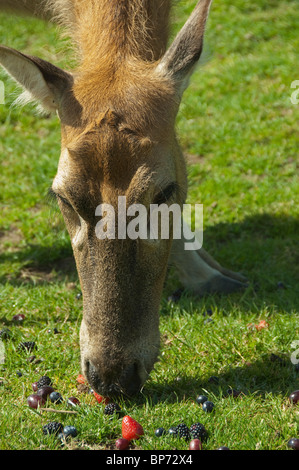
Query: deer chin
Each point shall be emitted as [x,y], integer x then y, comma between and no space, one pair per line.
[114,371]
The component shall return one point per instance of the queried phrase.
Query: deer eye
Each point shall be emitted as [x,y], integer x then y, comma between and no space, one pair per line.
[166,194]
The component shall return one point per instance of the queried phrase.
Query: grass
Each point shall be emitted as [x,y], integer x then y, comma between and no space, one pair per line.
[239,131]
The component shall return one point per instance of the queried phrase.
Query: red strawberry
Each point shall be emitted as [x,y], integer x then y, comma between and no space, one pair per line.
[131,429]
[81,379]
[100,399]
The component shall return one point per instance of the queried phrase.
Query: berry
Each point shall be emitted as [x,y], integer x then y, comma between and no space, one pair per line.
[131,429]
[27,346]
[69,431]
[112,408]
[198,431]
[73,401]
[208,406]
[293,443]
[81,379]
[173,431]
[55,397]
[5,333]
[98,397]
[294,397]
[122,443]
[201,399]
[233,393]
[44,380]
[160,432]
[223,448]
[34,401]
[18,317]
[52,428]
[195,444]
[34,386]
[183,431]
[45,391]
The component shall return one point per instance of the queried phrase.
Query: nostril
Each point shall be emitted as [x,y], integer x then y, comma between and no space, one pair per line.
[130,380]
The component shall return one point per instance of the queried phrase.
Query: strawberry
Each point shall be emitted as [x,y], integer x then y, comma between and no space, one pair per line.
[100,399]
[81,379]
[131,429]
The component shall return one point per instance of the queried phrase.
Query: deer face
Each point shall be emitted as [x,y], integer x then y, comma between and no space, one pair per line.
[118,143]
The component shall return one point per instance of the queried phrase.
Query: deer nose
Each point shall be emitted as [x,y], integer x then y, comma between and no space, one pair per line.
[129,382]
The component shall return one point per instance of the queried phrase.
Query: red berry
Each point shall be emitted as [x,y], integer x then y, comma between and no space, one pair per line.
[18,317]
[122,443]
[81,379]
[294,397]
[293,443]
[73,401]
[131,429]
[195,444]
[99,398]
[34,386]
[35,400]
[45,391]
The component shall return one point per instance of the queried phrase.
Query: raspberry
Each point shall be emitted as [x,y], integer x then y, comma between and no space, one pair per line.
[183,431]
[52,428]
[198,431]
[111,408]
[44,381]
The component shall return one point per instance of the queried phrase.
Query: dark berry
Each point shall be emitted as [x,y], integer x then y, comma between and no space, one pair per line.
[293,443]
[195,444]
[69,431]
[223,448]
[34,401]
[208,406]
[183,431]
[73,401]
[52,428]
[45,391]
[122,443]
[173,431]
[27,346]
[19,317]
[112,408]
[198,431]
[5,333]
[294,397]
[213,380]
[160,432]
[34,386]
[175,296]
[55,397]
[43,381]
[201,399]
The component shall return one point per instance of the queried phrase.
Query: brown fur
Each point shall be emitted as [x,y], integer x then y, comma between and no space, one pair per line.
[117,112]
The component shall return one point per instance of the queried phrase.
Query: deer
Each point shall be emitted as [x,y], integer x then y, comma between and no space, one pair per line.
[117,110]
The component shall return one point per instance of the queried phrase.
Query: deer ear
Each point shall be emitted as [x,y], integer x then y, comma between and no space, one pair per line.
[41,80]
[185,51]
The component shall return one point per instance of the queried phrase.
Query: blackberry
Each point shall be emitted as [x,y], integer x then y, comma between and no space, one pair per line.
[198,431]
[27,346]
[183,431]
[44,380]
[52,428]
[111,408]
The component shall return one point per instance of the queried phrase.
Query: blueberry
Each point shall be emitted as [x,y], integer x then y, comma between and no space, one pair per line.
[160,432]
[55,397]
[173,431]
[70,431]
[208,406]
[201,399]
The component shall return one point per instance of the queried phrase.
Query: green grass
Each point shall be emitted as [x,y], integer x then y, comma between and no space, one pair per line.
[239,131]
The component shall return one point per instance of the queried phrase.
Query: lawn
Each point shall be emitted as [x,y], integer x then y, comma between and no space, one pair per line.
[239,132]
